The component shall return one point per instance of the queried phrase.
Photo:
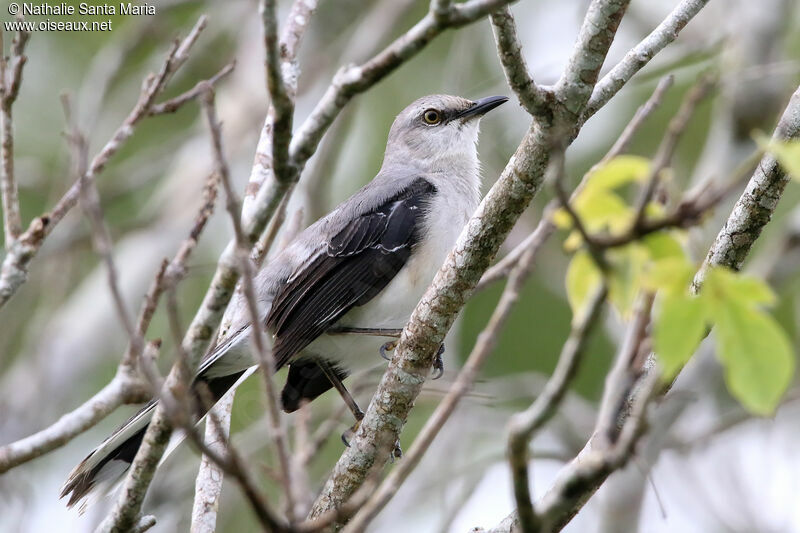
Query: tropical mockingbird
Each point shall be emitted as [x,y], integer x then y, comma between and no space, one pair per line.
[360,269]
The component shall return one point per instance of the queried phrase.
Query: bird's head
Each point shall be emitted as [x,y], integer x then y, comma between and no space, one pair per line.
[438,131]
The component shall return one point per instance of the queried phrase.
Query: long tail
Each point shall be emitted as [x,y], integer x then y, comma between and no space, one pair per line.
[102,469]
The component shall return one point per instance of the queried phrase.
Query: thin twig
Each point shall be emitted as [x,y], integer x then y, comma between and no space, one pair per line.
[546,227]
[645,110]
[125,387]
[9,90]
[173,104]
[14,270]
[264,354]
[669,143]
[523,426]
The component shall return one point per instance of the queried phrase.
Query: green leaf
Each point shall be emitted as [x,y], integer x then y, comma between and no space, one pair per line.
[627,265]
[600,210]
[748,289]
[726,285]
[678,330]
[583,278]
[562,219]
[671,274]
[663,245]
[617,172]
[757,356]
[787,153]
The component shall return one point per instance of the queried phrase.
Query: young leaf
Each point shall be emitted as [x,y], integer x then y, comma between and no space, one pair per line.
[619,171]
[757,356]
[583,278]
[627,264]
[663,245]
[671,274]
[600,210]
[787,153]
[678,330]
[725,284]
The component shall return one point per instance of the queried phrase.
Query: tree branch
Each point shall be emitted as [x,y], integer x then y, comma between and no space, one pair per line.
[523,426]
[641,54]
[263,353]
[546,227]
[9,90]
[14,271]
[754,208]
[583,476]
[453,284]
[484,346]
[530,96]
[208,485]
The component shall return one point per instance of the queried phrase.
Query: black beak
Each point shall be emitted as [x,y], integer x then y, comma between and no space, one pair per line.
[482,106]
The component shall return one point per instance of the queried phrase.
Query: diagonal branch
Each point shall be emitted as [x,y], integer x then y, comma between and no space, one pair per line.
[599,26]
[531,96]
[452,285]
[754,208]
[263,353]
[579,479]
[666,32]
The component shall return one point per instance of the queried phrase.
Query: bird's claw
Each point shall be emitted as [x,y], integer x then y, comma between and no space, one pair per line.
[388,347]
[347,435]
[396,453]
[438,363]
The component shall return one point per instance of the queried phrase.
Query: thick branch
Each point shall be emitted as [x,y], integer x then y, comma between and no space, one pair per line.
[484,346]
[453,284]
[208,485]
[754,208]
[281,104]
[583,67]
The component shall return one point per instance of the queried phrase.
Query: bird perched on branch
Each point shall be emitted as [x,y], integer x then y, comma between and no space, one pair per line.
[350,277]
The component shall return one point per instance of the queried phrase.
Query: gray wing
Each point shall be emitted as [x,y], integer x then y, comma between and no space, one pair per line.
[358,261]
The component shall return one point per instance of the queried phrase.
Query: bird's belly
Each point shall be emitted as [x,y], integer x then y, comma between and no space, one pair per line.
[390,309]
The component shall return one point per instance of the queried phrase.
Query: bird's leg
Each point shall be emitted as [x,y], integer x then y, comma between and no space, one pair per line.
[372,332]
[438,362]
[354,408]
[343,392]
[375,332]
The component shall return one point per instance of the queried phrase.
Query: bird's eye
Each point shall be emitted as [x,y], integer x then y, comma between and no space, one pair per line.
[431,116]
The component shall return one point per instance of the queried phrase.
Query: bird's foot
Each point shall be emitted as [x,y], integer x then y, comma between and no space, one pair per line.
[438,363]
[388,347]
[397,452]
[347,436]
